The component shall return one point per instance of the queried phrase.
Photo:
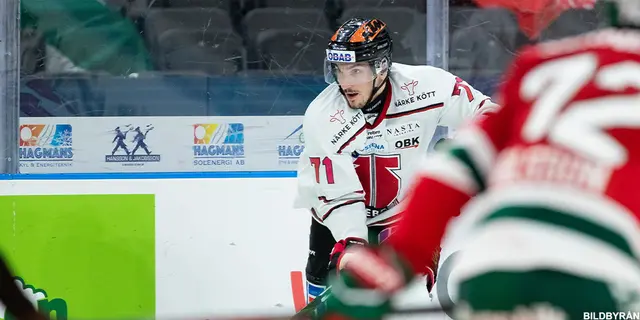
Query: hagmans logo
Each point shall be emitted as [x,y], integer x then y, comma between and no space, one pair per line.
[218,144]
[46,145]
[291,148]
[341,56]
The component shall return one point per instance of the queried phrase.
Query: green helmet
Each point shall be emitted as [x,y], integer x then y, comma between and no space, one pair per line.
[623,13]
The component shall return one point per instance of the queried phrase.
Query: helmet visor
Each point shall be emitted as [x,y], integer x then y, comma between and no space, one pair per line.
[342,67]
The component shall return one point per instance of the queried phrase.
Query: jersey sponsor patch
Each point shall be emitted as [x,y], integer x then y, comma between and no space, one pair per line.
[375,142]
[341,56]
[374,134]
[403,129]
[410,89]
[407,143]
[374,147]
[345,130]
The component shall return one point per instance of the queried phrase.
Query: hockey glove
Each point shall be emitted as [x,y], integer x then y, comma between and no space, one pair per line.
[365,285]
[339,257]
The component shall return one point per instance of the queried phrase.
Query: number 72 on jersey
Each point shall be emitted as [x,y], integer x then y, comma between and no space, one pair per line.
[580,126]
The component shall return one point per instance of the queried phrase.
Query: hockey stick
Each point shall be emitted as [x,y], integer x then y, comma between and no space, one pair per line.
[394,312]
[313,306]
[312,309]
[421,310]
[298,316]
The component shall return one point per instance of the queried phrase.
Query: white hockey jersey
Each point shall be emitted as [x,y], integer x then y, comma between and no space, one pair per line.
[352,173]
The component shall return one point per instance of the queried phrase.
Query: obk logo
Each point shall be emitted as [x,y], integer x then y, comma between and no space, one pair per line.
[40,300]
[407,143]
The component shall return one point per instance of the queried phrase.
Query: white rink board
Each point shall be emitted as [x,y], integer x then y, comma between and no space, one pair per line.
[223,246]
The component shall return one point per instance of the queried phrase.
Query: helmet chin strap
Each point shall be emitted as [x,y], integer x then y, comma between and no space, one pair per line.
[374,90]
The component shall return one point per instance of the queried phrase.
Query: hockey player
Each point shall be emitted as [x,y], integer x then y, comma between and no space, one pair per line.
[365,135]
[555,230]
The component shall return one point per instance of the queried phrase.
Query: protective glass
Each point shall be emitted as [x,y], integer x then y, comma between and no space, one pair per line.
[349,73]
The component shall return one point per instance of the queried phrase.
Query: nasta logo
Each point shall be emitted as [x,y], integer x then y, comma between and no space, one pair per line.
[46,145]
[291,148]
[218,144]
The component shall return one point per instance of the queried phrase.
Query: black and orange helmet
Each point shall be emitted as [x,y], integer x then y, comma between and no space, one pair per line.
[359,40]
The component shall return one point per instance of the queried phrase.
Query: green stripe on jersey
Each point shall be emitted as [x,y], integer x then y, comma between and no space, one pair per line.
[463,156]
[566,220]
[546,290]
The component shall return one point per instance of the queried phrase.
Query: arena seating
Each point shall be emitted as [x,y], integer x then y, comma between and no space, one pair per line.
[264,57]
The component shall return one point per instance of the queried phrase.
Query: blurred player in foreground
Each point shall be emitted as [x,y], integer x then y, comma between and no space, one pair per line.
[12,298]
[365,136]
[554,179]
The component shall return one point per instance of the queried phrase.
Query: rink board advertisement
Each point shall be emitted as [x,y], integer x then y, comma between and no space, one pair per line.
[159,144]
[82,256]
[176,247]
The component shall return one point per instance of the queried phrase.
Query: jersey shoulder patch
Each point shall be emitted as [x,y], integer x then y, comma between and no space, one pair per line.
[329,122]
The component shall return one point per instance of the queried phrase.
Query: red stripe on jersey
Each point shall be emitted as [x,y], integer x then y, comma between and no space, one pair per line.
[406,113]
[325,200]
[340,205]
